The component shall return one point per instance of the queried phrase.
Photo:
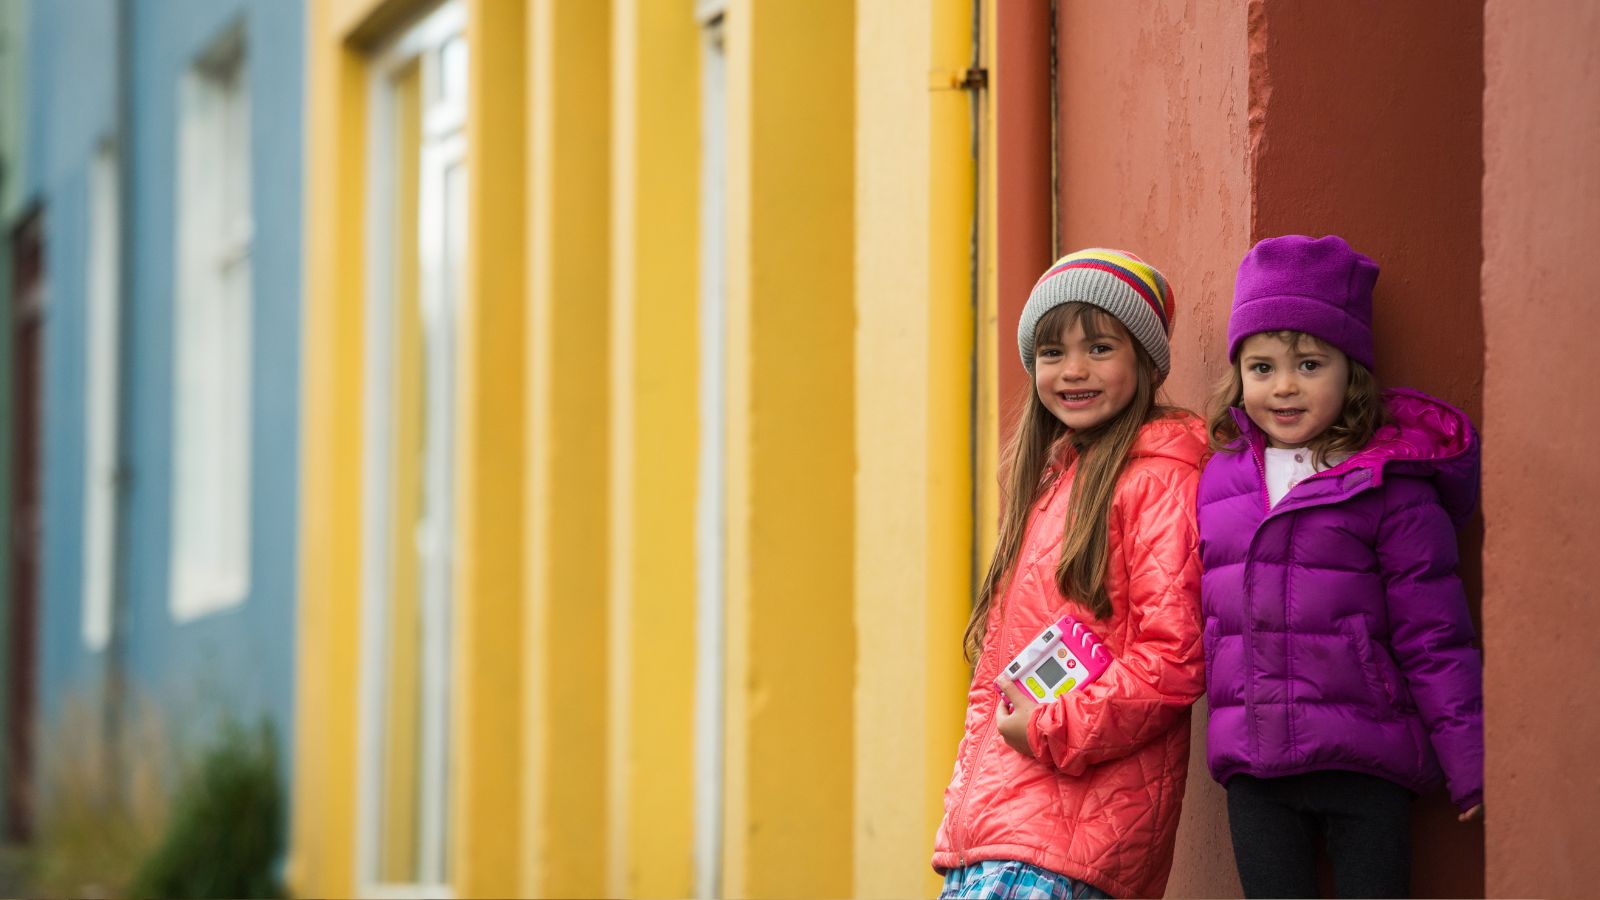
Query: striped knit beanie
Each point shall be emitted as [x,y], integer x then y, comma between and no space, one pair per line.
[1114,280]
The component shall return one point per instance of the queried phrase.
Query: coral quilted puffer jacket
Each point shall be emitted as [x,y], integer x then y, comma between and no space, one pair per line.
[1100,801]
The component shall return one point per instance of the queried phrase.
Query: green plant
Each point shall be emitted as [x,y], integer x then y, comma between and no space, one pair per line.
[225,834]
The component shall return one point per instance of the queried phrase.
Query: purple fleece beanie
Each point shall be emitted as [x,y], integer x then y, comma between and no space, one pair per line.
[1295,283]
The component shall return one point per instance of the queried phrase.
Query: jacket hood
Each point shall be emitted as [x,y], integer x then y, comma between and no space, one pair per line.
[1178,435]
[1425,438]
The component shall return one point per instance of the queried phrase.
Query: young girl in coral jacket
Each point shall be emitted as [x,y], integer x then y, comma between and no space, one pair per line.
[1339,660]
[1079,797]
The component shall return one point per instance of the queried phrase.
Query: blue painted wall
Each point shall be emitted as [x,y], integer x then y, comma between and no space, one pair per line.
[240,660]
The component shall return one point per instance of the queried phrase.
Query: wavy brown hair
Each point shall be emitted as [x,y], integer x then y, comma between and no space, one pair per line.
[1363,413]
[1101,453]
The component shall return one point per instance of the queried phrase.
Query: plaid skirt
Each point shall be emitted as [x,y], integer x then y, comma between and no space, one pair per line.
[1005,879]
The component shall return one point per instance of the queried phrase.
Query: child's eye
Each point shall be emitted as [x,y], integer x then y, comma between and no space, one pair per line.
[1100,349]
[1310,365]
[1047,352]
[1261,368]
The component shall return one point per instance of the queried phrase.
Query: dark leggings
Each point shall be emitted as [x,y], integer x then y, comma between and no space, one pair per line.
[1364,821]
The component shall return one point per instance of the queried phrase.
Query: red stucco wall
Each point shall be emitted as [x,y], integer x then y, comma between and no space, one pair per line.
[1368,123]
[1541,215]
[1152,137]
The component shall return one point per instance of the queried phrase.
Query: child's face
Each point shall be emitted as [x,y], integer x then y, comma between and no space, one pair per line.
[1292,393]
[1085,380]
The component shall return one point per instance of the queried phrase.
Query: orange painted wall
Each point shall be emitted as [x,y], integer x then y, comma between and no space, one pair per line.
[1541,211]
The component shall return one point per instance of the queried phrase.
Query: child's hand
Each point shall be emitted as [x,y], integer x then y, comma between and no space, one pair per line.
[1473,813]
[1014,718]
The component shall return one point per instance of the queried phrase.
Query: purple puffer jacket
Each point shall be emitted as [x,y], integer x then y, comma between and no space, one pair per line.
[1336,631]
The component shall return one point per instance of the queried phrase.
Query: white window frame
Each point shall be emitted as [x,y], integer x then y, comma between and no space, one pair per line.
[711,481]
[100,396]
[213,335]
[444,149]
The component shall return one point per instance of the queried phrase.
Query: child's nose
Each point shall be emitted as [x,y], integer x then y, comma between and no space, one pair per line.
[1073,366]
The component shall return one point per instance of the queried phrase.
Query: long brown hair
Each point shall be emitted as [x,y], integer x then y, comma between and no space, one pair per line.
[1363,413]
[1101,452]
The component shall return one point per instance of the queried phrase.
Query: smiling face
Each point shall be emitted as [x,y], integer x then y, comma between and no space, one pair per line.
[1294,386]
[1087,373]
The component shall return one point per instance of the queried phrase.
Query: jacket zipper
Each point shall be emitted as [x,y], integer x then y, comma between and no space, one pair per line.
[966,824]
[1261,468]
[963,824]
[1252,735]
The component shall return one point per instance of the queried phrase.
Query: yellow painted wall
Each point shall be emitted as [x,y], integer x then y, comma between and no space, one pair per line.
[850,480]
[487,700]
[915,191]
[565,719]
[791,440]
[322,828]
[654,442]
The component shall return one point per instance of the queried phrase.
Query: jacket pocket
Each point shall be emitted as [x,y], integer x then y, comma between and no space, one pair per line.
[1208,647]
[1381,688]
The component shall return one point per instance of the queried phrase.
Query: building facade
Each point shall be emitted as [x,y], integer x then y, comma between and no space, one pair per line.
[165,344]
[575,422]
[657,354]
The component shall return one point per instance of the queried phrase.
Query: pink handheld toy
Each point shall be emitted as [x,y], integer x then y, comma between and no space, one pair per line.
[1064,657]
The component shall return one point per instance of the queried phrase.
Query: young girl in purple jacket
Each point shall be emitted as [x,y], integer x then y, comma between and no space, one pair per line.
[1339,652]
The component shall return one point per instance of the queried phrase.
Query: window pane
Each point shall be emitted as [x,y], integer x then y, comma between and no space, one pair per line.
[398,853]
[212,331]
[100,404]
